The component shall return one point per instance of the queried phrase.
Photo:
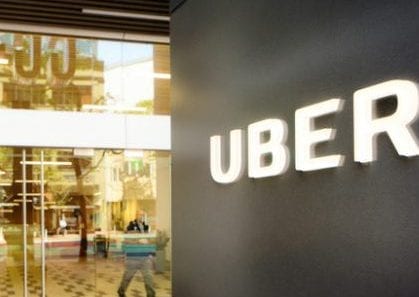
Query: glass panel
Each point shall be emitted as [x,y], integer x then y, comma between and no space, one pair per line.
[91,203]
[11,230]
[131,222]
[107,213]
[32,180]
[79,74]
[11,224]
[107,217]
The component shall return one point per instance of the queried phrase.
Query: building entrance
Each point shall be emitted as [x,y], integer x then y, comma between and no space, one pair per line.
[84,152]
[64,215]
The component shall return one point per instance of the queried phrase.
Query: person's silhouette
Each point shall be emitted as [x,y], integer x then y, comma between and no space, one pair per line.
[137,258]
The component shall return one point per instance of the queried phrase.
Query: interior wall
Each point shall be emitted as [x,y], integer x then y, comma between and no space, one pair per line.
[348,231]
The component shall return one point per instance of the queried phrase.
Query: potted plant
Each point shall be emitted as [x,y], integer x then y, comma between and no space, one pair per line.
[161,242]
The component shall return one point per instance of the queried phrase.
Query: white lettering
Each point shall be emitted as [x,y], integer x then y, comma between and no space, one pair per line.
[235,170]
[306,136]
[270,156]
[367,126]
[275,147]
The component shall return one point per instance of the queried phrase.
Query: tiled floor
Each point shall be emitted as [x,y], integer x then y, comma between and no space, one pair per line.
[72,278]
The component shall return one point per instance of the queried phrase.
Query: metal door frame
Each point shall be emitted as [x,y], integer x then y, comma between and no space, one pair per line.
[25,226]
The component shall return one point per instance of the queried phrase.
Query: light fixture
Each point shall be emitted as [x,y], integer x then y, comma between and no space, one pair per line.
[8,204]
[126,14]
[4,61]
[64,207]
[64,163]
[34,181]
[21,200]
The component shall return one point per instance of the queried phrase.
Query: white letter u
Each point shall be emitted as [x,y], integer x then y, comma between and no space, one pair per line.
[235,169]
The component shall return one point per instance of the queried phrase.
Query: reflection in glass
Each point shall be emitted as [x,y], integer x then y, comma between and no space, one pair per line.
[91,196]
[78,74]
[89,202]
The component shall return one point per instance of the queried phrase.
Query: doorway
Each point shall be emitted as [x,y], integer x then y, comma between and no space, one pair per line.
[63,215]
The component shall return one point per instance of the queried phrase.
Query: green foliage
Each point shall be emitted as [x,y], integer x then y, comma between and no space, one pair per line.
[148,105]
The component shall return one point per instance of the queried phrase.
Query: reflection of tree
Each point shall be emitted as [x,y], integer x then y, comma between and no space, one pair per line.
[138,187]
[55,179]
[79,166]
[5,164]
[5,160]
[82,202]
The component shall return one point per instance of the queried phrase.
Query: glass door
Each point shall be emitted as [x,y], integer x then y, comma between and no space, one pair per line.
[68,210]
[22,271]
[84,223]
[33,218]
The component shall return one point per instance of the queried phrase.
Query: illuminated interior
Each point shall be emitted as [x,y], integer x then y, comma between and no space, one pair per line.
[83,197]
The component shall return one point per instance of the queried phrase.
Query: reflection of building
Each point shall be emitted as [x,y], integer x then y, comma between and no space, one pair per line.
[48,72]
[88,199]
[110,191]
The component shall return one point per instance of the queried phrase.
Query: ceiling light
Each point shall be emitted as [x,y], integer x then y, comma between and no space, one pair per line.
[8,204]
[64,163]
[34,181]
[69,207]
[126,14]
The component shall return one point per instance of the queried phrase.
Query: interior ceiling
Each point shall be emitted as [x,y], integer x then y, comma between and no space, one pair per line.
[69,13]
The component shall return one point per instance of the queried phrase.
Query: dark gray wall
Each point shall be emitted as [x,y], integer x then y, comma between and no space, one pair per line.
[350,231]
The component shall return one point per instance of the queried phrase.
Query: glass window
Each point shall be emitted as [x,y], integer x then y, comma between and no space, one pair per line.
[106,212]
[79,74]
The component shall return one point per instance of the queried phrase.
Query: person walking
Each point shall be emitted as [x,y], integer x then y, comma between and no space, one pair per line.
[138,258]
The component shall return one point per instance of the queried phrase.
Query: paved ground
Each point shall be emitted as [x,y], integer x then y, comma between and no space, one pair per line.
[71,278]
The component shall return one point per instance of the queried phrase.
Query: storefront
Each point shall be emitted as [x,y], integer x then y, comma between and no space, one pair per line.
[84,151]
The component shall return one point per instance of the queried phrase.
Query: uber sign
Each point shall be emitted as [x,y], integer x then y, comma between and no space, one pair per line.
[367,125]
